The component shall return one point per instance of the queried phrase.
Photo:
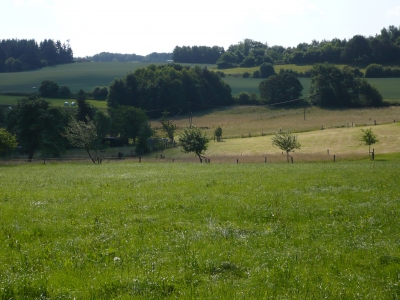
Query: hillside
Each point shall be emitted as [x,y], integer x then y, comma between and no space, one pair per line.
[86,76]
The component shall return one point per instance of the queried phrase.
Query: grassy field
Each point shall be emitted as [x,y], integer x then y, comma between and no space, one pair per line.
[77,76]
[86,76]
[189,231]
[242,120]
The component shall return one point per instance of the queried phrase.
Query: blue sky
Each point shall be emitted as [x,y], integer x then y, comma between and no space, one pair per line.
[145,26]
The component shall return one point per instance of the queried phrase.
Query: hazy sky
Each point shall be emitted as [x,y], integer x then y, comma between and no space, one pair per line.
[145,26]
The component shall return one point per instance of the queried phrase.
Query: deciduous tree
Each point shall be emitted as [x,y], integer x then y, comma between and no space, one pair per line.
[8,142]
[193,140]
[37,124]
[280,88]
[168,126]
[369,138]
[218,133]
[83,134]
[286,141]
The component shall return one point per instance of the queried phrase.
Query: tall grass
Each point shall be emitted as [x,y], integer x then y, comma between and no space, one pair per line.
[190,231]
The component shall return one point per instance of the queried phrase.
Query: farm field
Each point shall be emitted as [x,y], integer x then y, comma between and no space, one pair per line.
[242,120]
[164,231]
[86,76]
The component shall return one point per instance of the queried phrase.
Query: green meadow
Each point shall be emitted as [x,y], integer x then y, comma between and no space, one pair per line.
[128,230]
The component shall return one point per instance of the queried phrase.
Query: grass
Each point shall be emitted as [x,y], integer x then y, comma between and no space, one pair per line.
[77,76]
[242,120]
[86,76]
[6,100]
[189,231]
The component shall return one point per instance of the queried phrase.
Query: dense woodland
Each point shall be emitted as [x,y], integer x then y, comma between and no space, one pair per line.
[20,55]
[383,48]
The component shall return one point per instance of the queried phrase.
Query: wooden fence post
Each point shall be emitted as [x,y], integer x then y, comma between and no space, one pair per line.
[334,158]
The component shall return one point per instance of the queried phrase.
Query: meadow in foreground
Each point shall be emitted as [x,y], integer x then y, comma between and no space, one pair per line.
[200,231]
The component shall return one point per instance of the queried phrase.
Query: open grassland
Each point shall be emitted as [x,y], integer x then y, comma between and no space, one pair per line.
[188,231]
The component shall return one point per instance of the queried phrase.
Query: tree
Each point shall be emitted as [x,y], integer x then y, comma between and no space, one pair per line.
[8,142]
[280,88]
[331,86]
[126,121]
[83,134]
[64,91]
[84,108]
[37,124]
[266,70]
[369,138]
[100,93]
[286,141]
[48,89]
[194,141]
[168,126]
[145,132]
[218,133]
[103,122]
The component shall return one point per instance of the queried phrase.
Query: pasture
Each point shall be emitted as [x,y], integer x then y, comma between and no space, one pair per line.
[188,231]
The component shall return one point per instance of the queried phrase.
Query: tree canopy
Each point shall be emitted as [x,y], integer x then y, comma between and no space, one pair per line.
[176,87]
[19,55]
[280,88]
[286,141]
[8,142]
[37,124]
[193,140]
[331,86]
[83,134]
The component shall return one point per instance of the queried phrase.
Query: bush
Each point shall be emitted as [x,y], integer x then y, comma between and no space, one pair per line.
[266,70]
[256,74]
[374,71]
[246,75]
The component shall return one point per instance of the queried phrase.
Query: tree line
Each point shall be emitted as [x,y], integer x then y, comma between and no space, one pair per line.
[382,48]
[197,54]
[20,55]
[118,57]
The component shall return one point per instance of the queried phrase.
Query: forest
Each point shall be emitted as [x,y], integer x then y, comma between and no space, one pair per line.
[21,55]
[383,48]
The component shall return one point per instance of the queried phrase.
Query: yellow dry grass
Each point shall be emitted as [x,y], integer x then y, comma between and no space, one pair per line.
[256,120]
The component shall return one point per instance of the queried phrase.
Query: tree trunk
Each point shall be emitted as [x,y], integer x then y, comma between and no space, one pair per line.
[287,156]
[30,155]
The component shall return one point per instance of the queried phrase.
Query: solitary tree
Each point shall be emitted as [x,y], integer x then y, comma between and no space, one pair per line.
[286,141]
[218,133]
[8,142]
[369,138]
[83,135]
[193,140]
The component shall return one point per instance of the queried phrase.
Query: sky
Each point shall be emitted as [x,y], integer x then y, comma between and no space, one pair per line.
[146,26]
